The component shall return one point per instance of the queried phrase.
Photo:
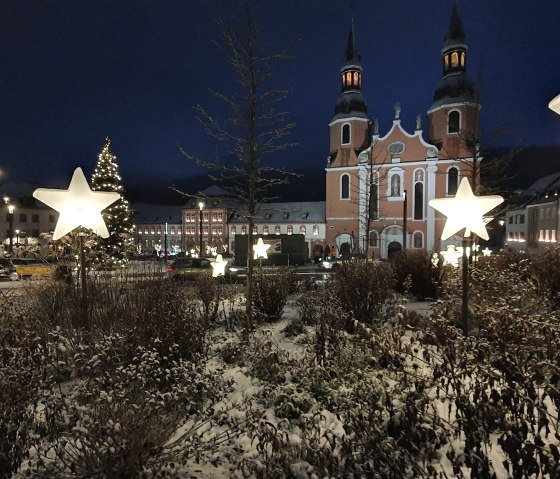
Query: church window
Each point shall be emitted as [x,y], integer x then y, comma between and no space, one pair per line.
[454,59]
[373,201]
[454,122]
[373,239]
[395,185]
[463,59]
[417,240]
[356,78]
[344,187]
[446,61]
[346,134]
[418,201]
[452,181]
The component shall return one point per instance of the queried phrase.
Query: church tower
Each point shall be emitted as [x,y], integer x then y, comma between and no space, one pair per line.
[349,136]
[453,118]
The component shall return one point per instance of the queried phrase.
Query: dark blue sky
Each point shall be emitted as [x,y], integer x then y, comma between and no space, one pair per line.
[74,71]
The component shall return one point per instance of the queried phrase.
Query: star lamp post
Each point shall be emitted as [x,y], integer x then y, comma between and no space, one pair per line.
[218,266]
[554,104]
[260,249]
[465,212]
[78,207]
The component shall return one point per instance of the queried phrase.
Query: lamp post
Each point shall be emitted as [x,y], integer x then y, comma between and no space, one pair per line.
[404,221]
[10,232]
[165,243]
[200,208]
[17,240]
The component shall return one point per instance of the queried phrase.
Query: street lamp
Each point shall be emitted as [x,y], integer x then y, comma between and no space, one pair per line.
[404,221]
[165,243]
[10,232]
[17,238]
[200,207]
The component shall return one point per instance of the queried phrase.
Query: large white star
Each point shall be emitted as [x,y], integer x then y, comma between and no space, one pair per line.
[218,266]
[465,210]
[78,205]
[260,249]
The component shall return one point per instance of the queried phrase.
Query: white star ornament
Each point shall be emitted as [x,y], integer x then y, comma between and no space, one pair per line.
[260,249]
[218,266]
[78,205]
[465,211]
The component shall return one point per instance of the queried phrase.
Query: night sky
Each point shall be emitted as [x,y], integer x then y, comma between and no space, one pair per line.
[74,71]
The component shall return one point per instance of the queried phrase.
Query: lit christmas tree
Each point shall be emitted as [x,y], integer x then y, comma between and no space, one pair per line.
[113,250]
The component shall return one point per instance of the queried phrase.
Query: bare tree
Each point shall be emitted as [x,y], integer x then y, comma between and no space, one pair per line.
[254,128]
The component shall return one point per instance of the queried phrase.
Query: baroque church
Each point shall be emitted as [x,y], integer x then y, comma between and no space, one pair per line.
[378,184]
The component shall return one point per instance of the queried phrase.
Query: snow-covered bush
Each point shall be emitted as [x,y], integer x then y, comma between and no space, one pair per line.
[546,269]
[361,287]
[22,369]
[271,292]
[211,292]
[119,417]
[416,275]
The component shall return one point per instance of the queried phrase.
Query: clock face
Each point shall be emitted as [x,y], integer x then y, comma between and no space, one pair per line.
[431,152]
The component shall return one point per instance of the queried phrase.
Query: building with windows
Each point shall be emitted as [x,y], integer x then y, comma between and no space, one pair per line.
[306,218]
[29,220]
[378,185]
[157,226]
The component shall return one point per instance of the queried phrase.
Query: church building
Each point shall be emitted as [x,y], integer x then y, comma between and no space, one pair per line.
[378,184]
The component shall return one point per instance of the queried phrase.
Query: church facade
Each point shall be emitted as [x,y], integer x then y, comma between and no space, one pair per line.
[378,185]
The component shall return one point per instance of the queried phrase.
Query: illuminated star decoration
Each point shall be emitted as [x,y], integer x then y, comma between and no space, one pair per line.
[465,211]
[260,249]
[451,255]
[78,206]
[486,251]
[218,266]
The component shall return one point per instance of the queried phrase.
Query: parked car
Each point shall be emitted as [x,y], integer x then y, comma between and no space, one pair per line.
[8,270]
[191,268]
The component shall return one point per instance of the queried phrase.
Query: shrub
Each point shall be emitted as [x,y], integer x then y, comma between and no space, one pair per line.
[271,291]
[546,270]
[416,275]
[361,287]
[118,420]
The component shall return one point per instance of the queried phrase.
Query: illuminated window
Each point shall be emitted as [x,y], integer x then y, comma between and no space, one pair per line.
[454,122]
[255,230]
[159,230]
[346,134]
[277,230]
[290,229]
[152,230]
[356,78]
[446,61]
[205,230]
[205,216]
[221,216]
[243,230]
[179,230]
[214,230]
[265,229]
[220,230]
[302,230]
[173,230]
[315,230]
[453,182]
[233,230]
[345,187]
[454,59]
[463,59]
[139,231]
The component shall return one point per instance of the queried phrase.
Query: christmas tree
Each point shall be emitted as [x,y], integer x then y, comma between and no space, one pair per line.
[113,251]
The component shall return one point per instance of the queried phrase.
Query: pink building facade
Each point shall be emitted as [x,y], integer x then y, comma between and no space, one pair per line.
[378,185]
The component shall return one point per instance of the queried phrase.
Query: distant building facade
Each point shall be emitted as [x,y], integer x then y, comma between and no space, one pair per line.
[369,175]
[157,226]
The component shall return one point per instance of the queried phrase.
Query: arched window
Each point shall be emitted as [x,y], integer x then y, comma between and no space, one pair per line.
[345,187]
[243,230]
[302,229]
[454,122]
[463,59]
[356,78]
[417,240]
[446,61]
[277,230]
[290,229]
[395,185]
[373,239]
[452,180]
[454,59]
[255,230]
[346,133]
[418,201]
[373,201]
